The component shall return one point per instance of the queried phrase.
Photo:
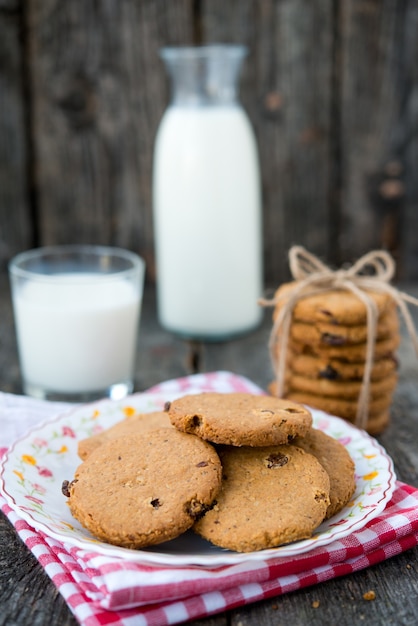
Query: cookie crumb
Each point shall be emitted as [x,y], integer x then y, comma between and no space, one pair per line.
[274,607]
[408,566]
[315,604]
[369,595]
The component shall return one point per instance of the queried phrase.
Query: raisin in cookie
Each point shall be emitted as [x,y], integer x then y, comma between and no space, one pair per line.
[239,419]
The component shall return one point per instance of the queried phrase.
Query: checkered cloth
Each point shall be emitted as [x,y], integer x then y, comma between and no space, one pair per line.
[107,590]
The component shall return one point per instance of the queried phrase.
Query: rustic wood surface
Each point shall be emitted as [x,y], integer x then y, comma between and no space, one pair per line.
[330,88]
[28,597]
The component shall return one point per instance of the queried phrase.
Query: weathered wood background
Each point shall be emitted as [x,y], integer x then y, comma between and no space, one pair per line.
[331,88]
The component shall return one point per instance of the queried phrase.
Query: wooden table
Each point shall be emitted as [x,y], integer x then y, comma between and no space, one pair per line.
[27,596]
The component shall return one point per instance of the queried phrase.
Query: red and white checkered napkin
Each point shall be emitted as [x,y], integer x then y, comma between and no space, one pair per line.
[107,590]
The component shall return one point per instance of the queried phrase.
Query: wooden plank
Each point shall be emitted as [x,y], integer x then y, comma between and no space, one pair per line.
[408,140]
[15,219]
[286,89]
[99,90]
[373,40]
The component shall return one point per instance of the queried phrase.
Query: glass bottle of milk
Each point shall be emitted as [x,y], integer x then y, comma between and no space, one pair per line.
[207,199]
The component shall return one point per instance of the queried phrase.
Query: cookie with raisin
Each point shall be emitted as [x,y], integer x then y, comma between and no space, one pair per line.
[320,367]
[269,496]
[345,389]
[142,490]
[336,461]
[336,306]
[239,419]
[345,408]
[323,333]
[349,353]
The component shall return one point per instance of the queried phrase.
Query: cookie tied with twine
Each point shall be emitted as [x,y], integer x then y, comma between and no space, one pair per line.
[371,273]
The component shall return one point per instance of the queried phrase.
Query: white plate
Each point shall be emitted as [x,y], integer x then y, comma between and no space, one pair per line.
[35,466]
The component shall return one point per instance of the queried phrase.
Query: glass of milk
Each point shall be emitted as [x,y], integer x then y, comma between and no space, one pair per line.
[77,311]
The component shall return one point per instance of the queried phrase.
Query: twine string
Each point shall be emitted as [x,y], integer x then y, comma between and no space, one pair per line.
[313,277]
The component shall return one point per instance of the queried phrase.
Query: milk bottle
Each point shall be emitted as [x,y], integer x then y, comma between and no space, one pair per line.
[207,205]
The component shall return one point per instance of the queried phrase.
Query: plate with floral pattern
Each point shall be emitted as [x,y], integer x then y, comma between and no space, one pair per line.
[34,468]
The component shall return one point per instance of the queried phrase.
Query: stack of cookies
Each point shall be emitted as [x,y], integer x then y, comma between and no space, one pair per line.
[326,354]
[244,472]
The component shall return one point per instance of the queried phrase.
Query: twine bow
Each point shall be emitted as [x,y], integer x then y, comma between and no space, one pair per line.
[314,277]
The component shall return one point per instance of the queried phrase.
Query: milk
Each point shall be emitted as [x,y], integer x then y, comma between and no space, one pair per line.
[207,221]
[76,332]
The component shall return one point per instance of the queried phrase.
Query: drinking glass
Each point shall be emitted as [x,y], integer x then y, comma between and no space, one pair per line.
[76,311]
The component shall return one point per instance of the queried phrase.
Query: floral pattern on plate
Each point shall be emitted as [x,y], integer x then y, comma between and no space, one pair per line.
[36,465]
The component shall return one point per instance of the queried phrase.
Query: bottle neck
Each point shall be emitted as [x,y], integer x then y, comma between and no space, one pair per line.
[204,76]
